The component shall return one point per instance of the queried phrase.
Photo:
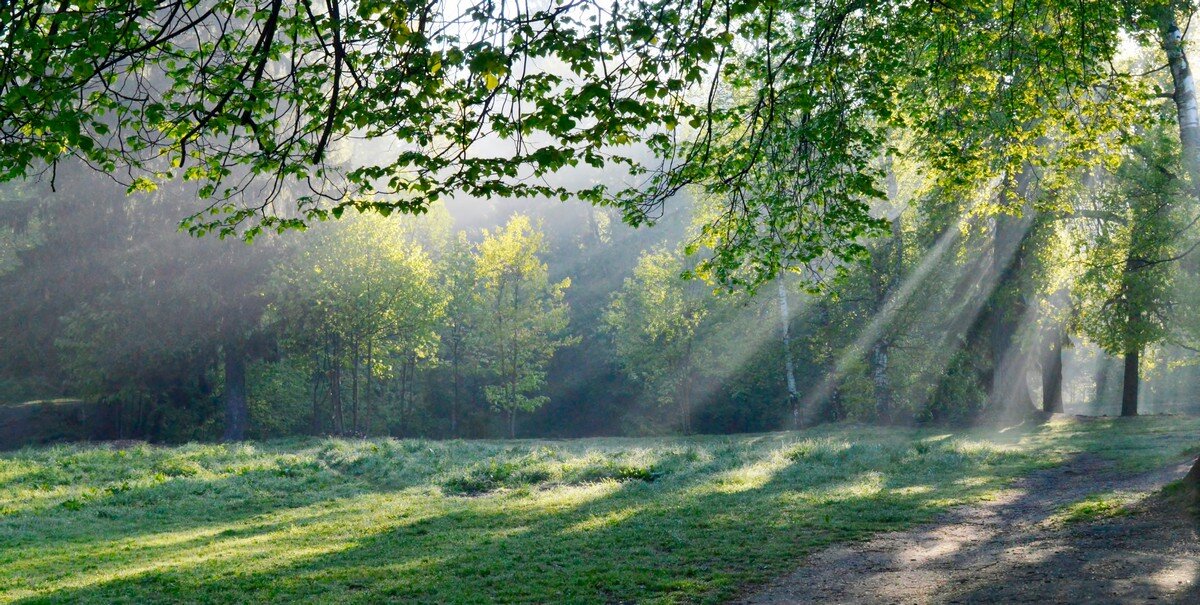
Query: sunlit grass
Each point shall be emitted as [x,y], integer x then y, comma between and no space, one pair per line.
[1098,506]
[594,520]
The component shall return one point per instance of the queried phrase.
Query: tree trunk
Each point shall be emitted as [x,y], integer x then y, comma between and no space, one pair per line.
[1129,387]
[880,356]
[456,379]
[1184,95]
[789,366]
[335,395]
[1193,477]
[1189,138]
[1052,369]
[237,412]
[370,412]
[354,386]
[316,411]
[1009,389]
[512,424]
[886,275]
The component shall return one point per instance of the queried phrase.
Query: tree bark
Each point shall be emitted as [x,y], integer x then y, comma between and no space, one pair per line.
[1129,386]
[1184,95]
[237,412]
[370,411]
[1052,370]
[316,412]
[456,380]
[335,395]
[1189,124]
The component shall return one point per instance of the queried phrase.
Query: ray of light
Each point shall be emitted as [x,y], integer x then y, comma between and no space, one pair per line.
[882,320]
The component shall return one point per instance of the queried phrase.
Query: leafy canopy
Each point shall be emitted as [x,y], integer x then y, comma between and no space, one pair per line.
[779,108]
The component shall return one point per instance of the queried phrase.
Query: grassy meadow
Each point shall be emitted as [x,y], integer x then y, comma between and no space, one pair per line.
[658,520]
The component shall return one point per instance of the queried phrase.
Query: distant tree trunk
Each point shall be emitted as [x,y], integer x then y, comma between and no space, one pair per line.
[456,380]
[1103,367]
[1129,387]
[370,393]
[354,386]
[512,424]
[789,366]
[880,355]
[236,410]
[685,410]
[316,412]
[335,397]
[885,273]
[1052,368]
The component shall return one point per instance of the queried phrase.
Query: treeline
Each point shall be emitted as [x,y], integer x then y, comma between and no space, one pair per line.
[361,326]
[547,319]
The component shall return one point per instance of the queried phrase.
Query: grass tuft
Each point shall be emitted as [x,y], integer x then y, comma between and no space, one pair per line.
[1097,507]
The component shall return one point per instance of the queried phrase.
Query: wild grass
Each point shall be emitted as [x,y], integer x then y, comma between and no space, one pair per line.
[1098,506]
[669,520]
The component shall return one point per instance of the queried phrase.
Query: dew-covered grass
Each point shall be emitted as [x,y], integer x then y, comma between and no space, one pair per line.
[690,519]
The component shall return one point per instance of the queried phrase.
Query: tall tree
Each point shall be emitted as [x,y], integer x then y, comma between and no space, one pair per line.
[457,269]
[1126,288]
[362,301]
[522,317]
[655,322]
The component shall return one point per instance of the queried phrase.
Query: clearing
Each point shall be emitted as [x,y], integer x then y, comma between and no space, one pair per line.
[698,519]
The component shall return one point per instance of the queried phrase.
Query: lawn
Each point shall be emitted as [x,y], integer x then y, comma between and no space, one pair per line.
[691,519]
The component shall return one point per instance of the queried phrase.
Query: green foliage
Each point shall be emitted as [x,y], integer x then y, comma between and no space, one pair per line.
[522,318]
[362,301]
[1126,289]
[279,397]
[778,111]
[655,323]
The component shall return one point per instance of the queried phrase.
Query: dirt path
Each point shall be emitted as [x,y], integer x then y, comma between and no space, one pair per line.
[1005,551]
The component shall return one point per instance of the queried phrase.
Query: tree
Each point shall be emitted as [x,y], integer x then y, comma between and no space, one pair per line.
[360,301]
[1126,288]
[157,325]
[796,102]
[522,317]
[655,323]
[457,270]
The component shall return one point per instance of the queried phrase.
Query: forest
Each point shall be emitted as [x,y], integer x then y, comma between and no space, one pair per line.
[548,319]
[590,301]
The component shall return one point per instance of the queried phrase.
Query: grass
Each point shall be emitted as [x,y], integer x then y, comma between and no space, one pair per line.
[584,521]
[1095,507]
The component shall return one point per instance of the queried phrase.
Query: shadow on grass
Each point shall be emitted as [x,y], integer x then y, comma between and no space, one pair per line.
[1013,550]
[736,512]
[1151,555]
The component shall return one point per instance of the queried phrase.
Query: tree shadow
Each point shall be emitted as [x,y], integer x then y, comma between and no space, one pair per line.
[1013,550]
[700,534]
